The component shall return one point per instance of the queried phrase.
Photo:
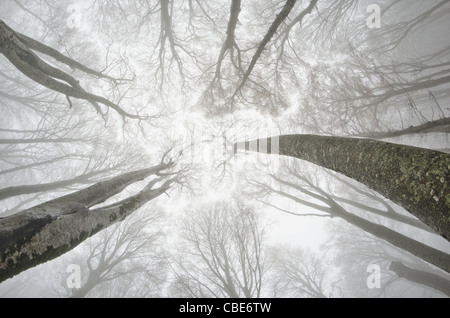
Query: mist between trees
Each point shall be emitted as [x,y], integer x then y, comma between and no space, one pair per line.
[233,148]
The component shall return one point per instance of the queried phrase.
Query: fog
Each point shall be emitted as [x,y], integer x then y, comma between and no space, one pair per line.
[224,149]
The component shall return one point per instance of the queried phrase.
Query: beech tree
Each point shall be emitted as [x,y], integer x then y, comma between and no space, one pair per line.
[224,256]
[365,83]
[331,207]
[125,260]
[17,48]
[414,178]
[354,249]
[299,273]
[43,232]
[421,277]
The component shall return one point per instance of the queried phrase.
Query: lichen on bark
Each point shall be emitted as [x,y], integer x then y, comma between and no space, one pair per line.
[48,230]
[415,178]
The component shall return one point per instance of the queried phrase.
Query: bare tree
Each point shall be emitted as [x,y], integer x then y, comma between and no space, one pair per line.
[224,253]
[355,250]
[251,84]
[18,49]
[126,255]
[215,88]
[357,89]
[56,169]
[299,273]
[270,33]
[48,230]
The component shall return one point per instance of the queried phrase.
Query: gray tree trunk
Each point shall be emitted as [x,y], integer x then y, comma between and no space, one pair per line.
[270,33]
[48,230]
[13,191]
[439,125]
[415,178]
[427,253]
[421,277]
[423,251]
[15,48]
[93,280]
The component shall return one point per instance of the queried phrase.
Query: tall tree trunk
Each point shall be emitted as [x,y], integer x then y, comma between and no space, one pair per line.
[39,141]
[416,248]
[421,277]
[270,33]
[35,164]
[415,178]
[14,47]
[423,251]
[48,230]
[92,281]
[440,125]
[230,41]
[86,178]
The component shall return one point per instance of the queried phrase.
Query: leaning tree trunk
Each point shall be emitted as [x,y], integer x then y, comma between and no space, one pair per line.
[48,230]
[420,277]
[415,178]
[289,5]
[427,253]
[13,191]
[93,280]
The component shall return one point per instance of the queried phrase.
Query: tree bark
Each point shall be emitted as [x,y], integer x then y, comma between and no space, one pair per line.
[440,125]
[93,280]
[270,33]
[40,47]
[427,253]
[423,251]
[13,47]
[417,179]
[35,164]
[230,42]
[367,208]
[420,277]
[48,230]
[86,178]
[39,141]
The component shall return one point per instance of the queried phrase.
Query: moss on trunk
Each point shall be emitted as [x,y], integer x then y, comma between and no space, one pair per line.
[48,230]
[415,178]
